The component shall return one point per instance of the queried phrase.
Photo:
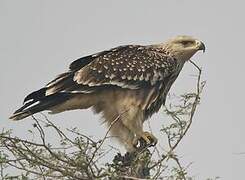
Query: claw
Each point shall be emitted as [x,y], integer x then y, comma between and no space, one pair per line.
[145,140]
[151,138]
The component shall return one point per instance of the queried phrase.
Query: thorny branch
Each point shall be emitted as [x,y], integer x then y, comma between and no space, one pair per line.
[181,123]
[77,156]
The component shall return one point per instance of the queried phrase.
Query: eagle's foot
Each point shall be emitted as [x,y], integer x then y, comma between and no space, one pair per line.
[146,139]
[149,138]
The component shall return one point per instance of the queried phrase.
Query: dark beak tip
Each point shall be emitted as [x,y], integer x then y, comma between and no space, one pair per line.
[202,47]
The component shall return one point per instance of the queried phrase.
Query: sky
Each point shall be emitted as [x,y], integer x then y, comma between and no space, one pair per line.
[39,39]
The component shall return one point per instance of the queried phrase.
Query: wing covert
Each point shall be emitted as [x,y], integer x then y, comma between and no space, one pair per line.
[127,67]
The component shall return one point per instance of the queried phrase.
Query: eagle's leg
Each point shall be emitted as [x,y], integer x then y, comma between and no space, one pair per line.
[133,120]
[124,135]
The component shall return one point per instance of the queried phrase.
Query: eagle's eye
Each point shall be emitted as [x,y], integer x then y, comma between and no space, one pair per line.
[186,43]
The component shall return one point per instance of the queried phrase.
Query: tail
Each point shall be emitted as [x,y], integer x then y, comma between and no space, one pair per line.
[37,102]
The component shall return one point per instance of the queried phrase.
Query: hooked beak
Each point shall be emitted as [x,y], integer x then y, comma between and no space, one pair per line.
[201,46]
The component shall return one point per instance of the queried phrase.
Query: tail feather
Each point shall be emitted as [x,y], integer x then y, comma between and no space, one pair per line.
[20,115]
[36,95]
[37,102]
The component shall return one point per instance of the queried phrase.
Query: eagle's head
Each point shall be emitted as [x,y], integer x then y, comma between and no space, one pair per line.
[183,47]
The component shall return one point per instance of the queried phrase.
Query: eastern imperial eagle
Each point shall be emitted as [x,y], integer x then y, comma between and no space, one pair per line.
[127,82]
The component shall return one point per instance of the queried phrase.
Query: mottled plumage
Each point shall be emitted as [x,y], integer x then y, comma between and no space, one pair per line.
[130,82]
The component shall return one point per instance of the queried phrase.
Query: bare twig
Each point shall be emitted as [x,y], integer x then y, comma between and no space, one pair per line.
[192,112]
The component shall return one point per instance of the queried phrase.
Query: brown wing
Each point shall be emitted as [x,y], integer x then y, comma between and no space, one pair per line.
[130,67]
[127,67]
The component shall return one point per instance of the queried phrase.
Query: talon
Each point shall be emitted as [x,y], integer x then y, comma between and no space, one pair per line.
[145,140]
[152,139]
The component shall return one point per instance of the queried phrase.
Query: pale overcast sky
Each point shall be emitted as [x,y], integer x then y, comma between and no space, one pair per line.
[38,40]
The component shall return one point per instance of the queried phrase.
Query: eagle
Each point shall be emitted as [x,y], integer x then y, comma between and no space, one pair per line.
[127,84]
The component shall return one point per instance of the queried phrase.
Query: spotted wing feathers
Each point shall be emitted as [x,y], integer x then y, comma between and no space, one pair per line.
[126,67]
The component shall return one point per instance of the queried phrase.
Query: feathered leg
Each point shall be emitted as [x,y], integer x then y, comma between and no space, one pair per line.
[133,120]
[124,135]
